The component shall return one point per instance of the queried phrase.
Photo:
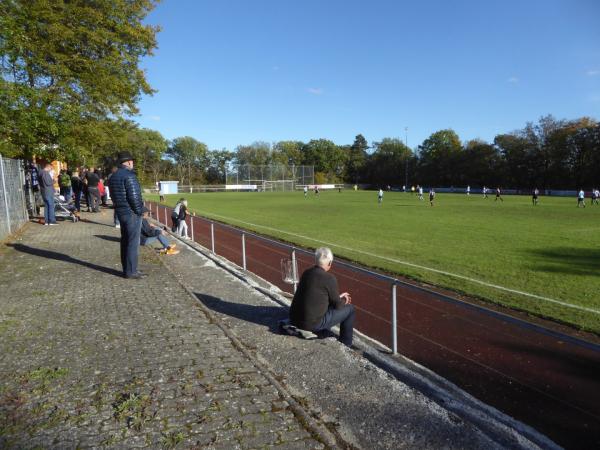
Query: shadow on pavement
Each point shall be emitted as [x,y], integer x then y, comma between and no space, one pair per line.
[62,257]
[267,316]
[108,238]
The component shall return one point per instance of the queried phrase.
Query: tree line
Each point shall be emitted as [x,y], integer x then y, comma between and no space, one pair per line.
[70,83]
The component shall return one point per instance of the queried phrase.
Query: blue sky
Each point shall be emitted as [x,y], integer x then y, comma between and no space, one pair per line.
[231,72]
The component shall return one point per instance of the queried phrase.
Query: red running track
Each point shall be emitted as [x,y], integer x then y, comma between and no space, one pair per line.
[543,378]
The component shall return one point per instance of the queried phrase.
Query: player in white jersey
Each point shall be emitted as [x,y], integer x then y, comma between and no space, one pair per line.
[380,196]
[305,191]
[431,196]
[420,192]
[468,190]
[581,199]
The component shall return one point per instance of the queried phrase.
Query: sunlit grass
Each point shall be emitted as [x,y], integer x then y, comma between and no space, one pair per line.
[551,250]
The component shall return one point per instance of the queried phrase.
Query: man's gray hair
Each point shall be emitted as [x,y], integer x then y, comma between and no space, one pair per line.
[323,256]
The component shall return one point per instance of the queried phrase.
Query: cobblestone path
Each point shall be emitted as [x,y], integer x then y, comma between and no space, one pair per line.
[90,359]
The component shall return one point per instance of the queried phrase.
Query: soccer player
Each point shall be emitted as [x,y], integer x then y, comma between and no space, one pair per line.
[420,192]
[485,191]
[581,198]
[431,196]
[468,191]
[316,190]
[498,195]
[534,196]
[595,195]
[380,196]
[305,191]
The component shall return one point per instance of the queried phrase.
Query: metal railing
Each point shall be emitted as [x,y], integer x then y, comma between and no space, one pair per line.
[13,209]
[374,295]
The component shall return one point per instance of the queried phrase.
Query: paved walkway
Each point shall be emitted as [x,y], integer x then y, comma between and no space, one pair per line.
[189,357]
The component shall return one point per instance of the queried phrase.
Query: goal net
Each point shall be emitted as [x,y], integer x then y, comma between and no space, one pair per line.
[274,177]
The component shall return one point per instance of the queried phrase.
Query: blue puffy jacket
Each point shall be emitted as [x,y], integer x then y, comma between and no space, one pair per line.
[125,192]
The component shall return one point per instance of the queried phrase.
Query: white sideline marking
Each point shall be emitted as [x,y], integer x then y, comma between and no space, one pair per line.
[406,263]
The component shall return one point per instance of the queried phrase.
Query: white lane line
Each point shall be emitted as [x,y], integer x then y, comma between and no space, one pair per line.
[406,263]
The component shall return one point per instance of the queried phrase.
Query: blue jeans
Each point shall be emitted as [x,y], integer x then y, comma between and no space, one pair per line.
[49,216]
[116,219]
[160,238]
[345,317]
[131,228]
[77,195]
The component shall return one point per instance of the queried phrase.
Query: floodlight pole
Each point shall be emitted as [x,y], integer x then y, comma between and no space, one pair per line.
[406,159]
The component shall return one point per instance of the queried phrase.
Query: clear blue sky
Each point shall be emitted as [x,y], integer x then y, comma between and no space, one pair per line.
[231,72]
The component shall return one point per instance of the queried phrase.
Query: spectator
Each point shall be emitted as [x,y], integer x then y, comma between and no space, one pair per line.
[127,198]
[92,180]
[64,183]
[151,233]
[47,189]
[182,228]
[175,216]
[317,305]
[115,218]
[102,192]
[77,186]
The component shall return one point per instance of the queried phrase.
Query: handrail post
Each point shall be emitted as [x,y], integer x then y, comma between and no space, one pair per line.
[157,217]
[394,321]
[166,217]
[192,225]
[294,268]
[5,193]
[212,236]
[244,250]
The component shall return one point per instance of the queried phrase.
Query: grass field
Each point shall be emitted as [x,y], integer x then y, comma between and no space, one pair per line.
[550,253]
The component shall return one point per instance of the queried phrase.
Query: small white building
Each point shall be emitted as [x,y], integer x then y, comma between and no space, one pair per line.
[167,187]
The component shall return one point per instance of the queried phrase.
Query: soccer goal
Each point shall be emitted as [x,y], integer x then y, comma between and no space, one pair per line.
[279,185]
[274,177]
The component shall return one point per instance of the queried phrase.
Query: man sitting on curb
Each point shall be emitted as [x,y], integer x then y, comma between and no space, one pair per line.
[317,305]
[151,233]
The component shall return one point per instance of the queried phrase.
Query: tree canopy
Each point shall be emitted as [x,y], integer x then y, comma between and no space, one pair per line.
[68,67]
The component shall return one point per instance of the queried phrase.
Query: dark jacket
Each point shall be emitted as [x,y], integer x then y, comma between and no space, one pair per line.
[76,184]
[148,231]
[316,293]
[47,183]
[125,192]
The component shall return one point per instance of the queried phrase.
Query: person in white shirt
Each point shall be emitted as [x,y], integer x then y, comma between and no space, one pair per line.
[305,191]
[468,190]
[431,196]
[380,196]
[581,198]
[420,192]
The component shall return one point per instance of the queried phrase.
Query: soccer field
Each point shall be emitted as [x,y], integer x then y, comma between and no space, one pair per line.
[543,259]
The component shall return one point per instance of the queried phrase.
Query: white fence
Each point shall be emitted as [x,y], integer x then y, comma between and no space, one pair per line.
[13,209]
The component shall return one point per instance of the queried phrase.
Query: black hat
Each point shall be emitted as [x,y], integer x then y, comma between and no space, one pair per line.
[124,156]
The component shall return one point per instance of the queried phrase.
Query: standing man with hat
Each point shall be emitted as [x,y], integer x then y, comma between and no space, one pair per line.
[126,195]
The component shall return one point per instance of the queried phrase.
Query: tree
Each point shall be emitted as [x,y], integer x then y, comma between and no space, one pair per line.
[388,162]
[288,152]
[256,154]
[439,157]
[217,165]
[327,158]
[584,156]
[481,164]
[188,153]
[357,158]
[69,64]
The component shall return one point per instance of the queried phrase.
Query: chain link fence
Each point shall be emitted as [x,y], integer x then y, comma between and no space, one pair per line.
[13,209]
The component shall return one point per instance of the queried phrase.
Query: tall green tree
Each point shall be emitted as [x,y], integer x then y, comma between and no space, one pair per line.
[67,64]
[189,155]
[257,154]
[439,157]
[357,158]
[328,158]
[387,164]
[288,152]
